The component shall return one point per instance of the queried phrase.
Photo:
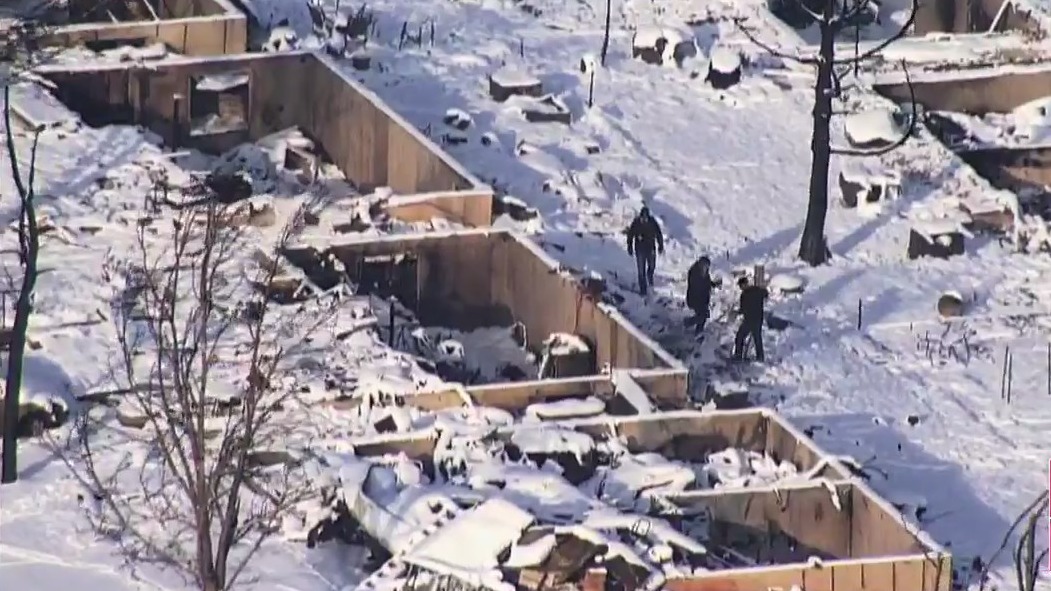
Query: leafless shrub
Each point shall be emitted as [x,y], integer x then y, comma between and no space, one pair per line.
[179,480]
[1027,561]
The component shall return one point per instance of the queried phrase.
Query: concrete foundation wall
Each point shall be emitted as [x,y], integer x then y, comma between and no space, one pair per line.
[471,208]
[527,282]
[370,142]
[918,572]
[189,27]
[862,543]
[467,280]
[970,16]
[372,145]
[864,546]
[976,93]
[697,434]
[670,392]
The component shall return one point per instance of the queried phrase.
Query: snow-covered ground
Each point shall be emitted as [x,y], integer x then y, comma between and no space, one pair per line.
[726,172]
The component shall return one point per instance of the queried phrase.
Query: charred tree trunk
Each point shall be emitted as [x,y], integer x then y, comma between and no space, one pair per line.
[812,247]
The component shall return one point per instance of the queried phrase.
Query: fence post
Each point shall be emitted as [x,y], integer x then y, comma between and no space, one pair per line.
[1010,375]
[390,339]
[591,89]
[1003,374]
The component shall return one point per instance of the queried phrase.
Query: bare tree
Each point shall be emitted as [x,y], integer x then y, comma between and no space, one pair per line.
[201,350]
[835,17]
[17,48]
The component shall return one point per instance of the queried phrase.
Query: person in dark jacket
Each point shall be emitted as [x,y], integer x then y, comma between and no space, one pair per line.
[645,242]
[699,284]
[753,302]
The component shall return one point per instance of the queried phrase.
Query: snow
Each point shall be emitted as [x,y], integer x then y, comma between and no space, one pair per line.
[221,82]
[626,386]
[514,77]
[552,439]
[727,174]
[564,409]
[561,343]
[786,283]
[725,60]
[37,107]
[471,543]
[870,127]
[530,553]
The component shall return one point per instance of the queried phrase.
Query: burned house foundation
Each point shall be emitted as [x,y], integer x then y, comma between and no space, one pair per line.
[483,279]
[962,110]
[216,105]
[582,449]
[813,524]
[186,27]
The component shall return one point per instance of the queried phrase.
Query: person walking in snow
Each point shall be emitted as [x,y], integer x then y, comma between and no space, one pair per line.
[753,302]
[645,242]
[699,284]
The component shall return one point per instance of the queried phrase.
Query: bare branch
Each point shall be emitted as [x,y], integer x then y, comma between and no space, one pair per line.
[769,49]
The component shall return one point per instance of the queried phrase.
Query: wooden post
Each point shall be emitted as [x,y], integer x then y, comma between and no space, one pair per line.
[759,275]
[1010,375]
[859,313]
[1003,374]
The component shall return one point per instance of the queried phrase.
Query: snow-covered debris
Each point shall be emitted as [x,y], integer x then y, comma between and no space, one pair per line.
[281,39]
[626,387]
[221,82]
[550,439]
[530,552]
[873,128]
[667,46]
[737,468]
[725,60]
[867,183]
[561,343]
[457,118]
[634,478]
[786,283]
[564,409]
[38,108]
[469,546]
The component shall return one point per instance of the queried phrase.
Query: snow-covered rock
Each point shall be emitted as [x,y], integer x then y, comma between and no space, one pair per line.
[666,46]
[785,283]
[872,129]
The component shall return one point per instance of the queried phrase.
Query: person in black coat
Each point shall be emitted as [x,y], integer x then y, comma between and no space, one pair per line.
[752,309]
[699,284]
[645,242]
